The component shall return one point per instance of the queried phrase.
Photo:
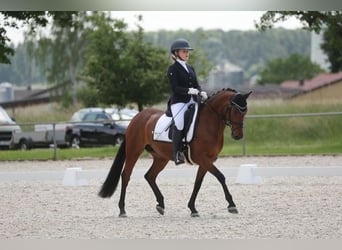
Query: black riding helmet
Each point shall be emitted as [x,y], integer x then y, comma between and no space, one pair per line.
[180,44]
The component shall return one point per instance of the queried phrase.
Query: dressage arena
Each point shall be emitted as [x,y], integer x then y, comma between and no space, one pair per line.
[36,205]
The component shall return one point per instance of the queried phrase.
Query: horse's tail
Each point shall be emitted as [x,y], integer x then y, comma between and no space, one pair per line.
[112,180]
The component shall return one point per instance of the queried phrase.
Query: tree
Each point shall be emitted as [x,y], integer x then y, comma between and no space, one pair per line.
[104,55]
[294,67]
[34,18]
[332,46]
[61,53]
[330,21]
[148,65]
[249,50]
[199,59]
[311,20]
[122,67]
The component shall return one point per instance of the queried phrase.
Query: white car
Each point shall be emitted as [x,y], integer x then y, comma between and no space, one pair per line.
[122,116]
[7,127]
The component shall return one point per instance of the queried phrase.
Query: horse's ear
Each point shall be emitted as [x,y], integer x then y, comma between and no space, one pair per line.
[246,95]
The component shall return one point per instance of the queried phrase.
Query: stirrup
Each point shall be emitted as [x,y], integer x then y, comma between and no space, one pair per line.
[179,159]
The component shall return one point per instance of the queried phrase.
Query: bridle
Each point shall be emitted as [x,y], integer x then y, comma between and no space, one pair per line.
[226,117]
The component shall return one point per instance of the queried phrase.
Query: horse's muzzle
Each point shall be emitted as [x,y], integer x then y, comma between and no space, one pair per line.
[236,136]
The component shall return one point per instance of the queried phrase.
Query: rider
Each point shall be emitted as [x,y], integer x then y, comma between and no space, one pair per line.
[184,85]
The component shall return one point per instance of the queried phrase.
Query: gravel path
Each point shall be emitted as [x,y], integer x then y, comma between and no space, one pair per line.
[282,207]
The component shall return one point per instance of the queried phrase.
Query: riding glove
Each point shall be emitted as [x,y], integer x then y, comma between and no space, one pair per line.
[193,91]
[204,95]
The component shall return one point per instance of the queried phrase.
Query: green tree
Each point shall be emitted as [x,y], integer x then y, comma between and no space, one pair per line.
[250,50]
[61,54]
[332,46]
[331,21]
[104,59]
[294,67]
[36,19]
[88,96]
[23,70]
[123,68]
[199,59]
[147,82]
[311,20]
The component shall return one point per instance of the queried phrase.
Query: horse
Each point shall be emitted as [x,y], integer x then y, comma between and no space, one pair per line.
[226,107]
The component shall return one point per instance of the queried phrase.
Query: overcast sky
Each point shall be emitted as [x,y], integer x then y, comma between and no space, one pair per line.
[174,20]
[190,20]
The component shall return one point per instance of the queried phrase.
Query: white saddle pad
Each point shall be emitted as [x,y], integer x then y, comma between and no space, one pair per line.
[161,130]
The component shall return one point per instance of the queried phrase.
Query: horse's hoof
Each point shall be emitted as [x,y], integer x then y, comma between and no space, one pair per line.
[195,214]
[233,210]
[160,209]
[122,215]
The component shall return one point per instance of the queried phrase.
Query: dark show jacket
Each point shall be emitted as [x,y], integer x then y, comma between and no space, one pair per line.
[180,81]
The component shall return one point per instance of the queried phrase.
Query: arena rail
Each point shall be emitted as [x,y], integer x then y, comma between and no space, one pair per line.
[284,116]
[58,125]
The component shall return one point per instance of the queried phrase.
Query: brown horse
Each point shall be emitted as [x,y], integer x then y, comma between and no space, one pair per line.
[225,108]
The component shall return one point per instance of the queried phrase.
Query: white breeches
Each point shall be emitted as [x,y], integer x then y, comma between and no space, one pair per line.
[178,110]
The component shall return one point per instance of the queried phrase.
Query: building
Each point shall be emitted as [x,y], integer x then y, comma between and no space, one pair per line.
[225,75]
[325,86]
[6,92]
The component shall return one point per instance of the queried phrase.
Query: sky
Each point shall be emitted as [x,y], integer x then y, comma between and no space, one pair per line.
[190,20]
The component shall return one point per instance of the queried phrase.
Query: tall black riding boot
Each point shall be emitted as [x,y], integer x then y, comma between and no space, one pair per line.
[177,142]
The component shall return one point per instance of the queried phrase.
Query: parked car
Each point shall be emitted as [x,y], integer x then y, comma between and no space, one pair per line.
[78,116]
[122,116]
[38,139]
[7,127]
[93,126]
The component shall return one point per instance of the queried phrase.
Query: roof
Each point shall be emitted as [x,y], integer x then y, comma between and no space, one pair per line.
[319,81]
[268,91]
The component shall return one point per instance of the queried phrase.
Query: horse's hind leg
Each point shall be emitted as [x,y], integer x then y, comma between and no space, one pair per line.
[125,177]
[157,166]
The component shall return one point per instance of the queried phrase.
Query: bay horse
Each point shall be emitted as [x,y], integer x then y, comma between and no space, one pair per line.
[224,108]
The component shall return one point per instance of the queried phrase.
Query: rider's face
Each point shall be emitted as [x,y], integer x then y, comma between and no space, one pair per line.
[183,54]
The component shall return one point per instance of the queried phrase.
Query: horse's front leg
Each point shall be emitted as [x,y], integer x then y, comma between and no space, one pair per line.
[198,183]
[220,177]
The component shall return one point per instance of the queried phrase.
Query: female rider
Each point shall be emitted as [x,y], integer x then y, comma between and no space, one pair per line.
[184,86]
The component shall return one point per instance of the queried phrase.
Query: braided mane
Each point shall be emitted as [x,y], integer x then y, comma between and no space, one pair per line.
[222,90]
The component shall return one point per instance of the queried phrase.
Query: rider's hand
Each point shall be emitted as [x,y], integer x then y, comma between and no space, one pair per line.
[193,91]
[204,95]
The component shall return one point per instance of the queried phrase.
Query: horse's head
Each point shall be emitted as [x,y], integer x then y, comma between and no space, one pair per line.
[236,112]
[231,108]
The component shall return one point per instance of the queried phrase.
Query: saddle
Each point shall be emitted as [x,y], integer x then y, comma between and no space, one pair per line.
[188,119]
[164,128]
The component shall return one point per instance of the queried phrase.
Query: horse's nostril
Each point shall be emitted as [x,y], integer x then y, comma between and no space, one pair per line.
[236,137]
